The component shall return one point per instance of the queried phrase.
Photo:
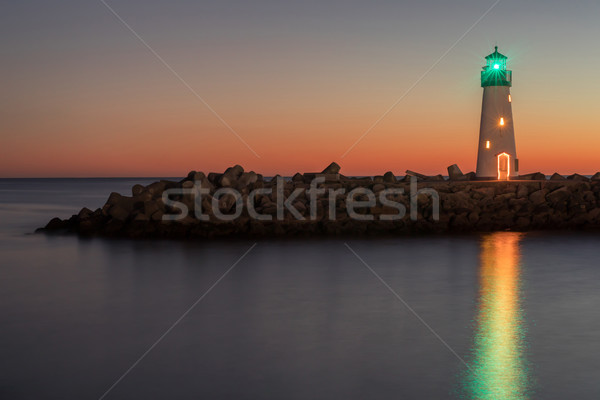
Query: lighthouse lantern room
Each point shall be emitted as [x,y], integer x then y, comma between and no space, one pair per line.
[497,154]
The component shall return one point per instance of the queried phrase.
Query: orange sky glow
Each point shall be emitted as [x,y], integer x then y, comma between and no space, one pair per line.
[94,102]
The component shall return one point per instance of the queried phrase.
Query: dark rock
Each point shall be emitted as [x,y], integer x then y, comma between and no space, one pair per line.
[557,177]
[156,188]
[378,187]
[85,213]
[56,224]
[538,197]
[536,176]
[298,177]
[596,176]
[558,195]
[247,178]
[522,191]
[333,168]
[389,177]
[454,173]
[214,177]
[558,203]
[118,212]
[236,171]
[136,190]
[578,178]
[470,176]
[196,176]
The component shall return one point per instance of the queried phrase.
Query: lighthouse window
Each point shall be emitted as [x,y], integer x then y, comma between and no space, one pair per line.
[509,98]
[502,121]
[487,144]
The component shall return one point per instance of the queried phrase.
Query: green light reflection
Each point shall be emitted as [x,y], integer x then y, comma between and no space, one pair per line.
[498,363]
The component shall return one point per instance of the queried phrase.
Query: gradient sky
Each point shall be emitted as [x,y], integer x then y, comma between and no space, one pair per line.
[300,81]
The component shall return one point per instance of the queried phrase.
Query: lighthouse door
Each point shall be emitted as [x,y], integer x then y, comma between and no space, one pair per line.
[503,166]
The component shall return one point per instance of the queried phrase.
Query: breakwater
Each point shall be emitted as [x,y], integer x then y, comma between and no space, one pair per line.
[239,203]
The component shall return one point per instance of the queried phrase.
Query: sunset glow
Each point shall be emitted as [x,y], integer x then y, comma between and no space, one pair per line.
[88,99]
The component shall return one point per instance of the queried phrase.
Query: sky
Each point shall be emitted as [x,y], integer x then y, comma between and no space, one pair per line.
[287,86]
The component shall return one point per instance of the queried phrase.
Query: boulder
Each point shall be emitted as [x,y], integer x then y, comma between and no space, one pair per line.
[156,188]
[136,190]
[454,173]
[333,168]
[522,191]
[538,197]
[558,196]
[298,177]
[536,176]
[274,180]
[389,177]
[557,177]
[56,223]
[236,171]
[378,187]
[578,178]
[118,212]
[187,184]
[596,176]
[226,203]
[247,178]
[85,213]
[196,176]
[141,217]
[214,177]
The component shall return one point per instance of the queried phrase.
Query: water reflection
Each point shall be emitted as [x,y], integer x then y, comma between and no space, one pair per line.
[498,363]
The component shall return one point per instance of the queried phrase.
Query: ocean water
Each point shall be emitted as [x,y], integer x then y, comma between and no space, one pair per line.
[494,316]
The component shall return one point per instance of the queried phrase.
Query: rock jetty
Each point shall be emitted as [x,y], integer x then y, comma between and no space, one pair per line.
[240,203]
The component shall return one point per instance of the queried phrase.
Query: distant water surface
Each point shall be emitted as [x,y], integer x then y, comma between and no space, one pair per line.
[497,316]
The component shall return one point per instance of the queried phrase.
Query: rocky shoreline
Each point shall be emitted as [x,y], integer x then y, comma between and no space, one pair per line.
[244,204]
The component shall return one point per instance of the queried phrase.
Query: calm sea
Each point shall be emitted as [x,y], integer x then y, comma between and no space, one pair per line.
[496,316]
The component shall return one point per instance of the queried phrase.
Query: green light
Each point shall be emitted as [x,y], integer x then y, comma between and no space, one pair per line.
[496,66]
[499,368]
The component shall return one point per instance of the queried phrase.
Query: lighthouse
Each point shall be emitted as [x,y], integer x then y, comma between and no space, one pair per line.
[497,153]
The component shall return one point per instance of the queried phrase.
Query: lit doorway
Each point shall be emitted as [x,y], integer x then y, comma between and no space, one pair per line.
[503,166]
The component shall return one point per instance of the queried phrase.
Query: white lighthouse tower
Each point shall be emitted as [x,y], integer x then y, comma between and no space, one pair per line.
[497,155]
